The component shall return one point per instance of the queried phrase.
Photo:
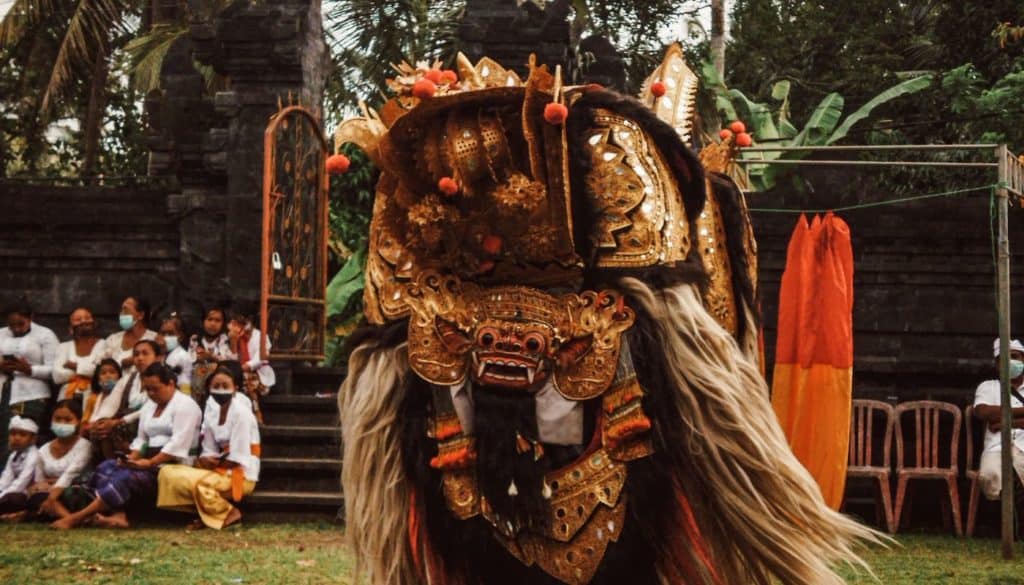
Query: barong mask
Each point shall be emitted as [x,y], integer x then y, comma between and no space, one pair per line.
[514,337]
[504,213]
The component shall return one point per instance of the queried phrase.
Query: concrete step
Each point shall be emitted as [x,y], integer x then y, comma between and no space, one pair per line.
[307,380]
[277,465]
[297,499]
[296,441]
[300,409]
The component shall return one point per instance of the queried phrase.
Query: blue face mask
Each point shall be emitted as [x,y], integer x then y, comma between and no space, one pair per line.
[172,342]
[63,430]
[125,321]
[1016,369]
[108,385]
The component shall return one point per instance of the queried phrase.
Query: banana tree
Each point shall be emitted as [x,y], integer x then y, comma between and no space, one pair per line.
[771,124]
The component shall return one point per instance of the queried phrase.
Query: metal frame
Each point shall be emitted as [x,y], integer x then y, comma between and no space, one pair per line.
[270,202]
[1010,182]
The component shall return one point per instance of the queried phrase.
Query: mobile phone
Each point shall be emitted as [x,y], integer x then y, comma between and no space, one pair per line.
[10,357]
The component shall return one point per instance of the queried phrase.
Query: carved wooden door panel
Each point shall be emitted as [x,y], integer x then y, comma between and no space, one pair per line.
[294,279]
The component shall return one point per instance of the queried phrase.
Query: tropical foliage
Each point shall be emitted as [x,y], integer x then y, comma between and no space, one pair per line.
[773,127]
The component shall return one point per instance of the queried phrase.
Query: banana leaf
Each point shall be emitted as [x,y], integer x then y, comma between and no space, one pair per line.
[347,285]
[900,89]
[822,122]
[757,116]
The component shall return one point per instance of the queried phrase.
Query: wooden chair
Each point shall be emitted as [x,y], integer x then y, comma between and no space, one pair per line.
[926,417]
[970,470]
[862,460]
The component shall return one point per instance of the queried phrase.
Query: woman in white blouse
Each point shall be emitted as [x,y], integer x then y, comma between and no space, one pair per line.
[27,353]
[112,421]
[76,359]
[59,487]
[229,465]
[168,433]
[133,322]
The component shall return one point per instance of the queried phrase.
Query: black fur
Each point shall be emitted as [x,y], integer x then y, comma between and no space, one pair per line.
[499,416]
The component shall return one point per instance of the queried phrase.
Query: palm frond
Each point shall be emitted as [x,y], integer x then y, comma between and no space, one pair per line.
[85,40]
[24,14]
[147,53]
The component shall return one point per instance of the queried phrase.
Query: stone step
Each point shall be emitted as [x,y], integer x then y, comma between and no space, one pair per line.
[299,441]
[300,409]
[298,499]
[279,465]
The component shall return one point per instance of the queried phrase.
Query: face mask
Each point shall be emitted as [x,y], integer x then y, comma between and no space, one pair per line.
[172,342]
[83,330]
[222,399]
[125,321]
[136,402]
[108,385]
[63,430]
[1016,368]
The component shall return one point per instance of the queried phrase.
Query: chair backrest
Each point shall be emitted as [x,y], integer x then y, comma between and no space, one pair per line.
[970,431]
[863,429]
[926,420]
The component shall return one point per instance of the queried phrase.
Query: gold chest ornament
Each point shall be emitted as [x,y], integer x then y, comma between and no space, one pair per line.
[587,499]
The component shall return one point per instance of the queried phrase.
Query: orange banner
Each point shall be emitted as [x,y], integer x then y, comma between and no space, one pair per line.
[812,385]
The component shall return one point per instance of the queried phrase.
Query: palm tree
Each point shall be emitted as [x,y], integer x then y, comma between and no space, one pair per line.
[87,31]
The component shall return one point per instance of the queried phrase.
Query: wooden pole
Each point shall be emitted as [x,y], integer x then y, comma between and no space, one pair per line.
[1003,284]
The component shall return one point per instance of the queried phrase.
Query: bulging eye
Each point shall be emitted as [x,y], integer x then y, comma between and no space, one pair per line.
[535,343]
[486,337]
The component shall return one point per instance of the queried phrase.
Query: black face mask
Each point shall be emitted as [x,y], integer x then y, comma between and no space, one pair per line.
[221,399]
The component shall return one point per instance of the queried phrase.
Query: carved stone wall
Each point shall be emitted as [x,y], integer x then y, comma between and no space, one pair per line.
[209,136]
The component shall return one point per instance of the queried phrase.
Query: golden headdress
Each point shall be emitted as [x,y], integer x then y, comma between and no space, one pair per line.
[482,183]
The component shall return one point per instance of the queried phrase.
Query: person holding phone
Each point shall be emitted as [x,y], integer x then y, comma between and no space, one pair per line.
[29,351]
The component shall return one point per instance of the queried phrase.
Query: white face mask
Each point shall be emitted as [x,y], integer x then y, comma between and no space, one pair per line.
[172,342]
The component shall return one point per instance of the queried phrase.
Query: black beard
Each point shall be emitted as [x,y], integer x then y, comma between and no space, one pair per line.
[500,416]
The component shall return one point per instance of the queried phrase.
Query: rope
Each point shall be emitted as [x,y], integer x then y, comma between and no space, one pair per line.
[880,203]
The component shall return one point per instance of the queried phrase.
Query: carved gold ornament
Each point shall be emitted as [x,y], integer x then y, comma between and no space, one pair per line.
[514,337]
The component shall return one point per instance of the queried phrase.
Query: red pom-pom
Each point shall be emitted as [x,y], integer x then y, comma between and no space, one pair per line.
[337,164]
[433,75]
[485,266]
[492,245]
[738,127]
[449,76]
[448,186]
[744,140]
[725,134]
[424,89]
[657,89]
[555,113]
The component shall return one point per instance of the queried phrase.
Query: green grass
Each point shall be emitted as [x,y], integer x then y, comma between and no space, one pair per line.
[313,554]
[257,554]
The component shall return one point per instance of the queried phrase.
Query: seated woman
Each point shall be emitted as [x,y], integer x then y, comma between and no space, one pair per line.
[247,346]
[76,359]
[229,465]
[62,467]
[21,466]
[168,433]
[208,349]
[133,322]
[172,334]
[112,423]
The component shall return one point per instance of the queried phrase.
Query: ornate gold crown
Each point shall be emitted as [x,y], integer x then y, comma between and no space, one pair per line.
[479,182]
